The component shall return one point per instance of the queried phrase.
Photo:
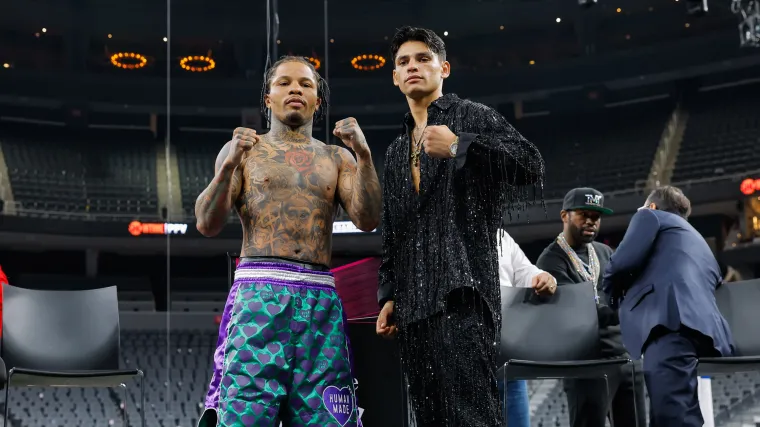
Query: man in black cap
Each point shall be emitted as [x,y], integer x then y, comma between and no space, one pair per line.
[574,257]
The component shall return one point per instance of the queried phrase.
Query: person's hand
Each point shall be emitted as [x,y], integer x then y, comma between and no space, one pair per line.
[437,141]
[243,140]
[386,325]
[544,284]
[351,134]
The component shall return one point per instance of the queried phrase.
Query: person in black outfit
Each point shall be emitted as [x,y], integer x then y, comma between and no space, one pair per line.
[574,257]
[450,175]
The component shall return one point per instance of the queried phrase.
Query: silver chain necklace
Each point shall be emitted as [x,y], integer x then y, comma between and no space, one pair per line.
[590,274]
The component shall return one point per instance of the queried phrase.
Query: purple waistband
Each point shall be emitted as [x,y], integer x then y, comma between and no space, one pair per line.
[282,266]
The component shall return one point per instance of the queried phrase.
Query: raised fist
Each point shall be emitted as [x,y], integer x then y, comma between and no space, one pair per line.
[437,141]
[351,134]
[243,139]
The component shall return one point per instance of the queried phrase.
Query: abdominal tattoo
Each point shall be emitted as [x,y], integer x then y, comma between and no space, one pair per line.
[287,205]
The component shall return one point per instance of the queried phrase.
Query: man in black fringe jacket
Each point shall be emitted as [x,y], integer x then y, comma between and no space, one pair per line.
[449,177]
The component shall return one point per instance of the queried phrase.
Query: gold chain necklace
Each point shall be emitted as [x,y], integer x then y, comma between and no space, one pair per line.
[417,147]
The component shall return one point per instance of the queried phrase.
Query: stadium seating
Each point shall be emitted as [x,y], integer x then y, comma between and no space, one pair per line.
[721,136]
[175,397]
[196,168]
[107,173]
[608,150]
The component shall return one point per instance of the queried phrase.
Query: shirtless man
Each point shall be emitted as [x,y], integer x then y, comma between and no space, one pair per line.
[282,352]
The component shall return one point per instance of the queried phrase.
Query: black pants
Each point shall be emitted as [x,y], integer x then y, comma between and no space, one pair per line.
[589,403]
[670,370]
[449,364]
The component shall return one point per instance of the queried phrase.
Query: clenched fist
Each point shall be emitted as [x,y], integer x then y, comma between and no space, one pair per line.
[351,134]
[437,141]
[243,139]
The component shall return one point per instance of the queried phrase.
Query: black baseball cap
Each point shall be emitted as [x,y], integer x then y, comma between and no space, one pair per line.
[585,199]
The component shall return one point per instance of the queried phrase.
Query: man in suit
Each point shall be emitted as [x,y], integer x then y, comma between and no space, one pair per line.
[663,277]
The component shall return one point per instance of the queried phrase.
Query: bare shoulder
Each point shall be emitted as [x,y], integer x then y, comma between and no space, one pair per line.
[339,154]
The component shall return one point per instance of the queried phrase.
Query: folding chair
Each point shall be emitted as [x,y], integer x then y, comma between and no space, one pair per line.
[553,337]
[737,302]
[63,339]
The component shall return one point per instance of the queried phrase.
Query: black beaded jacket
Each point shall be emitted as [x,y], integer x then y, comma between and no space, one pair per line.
[445,237]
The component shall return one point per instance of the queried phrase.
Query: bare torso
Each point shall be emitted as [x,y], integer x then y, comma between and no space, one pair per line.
[288,199]
[416,136]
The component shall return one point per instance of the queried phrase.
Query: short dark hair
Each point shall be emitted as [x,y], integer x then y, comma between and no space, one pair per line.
[323,91]
[414,34]
[670,199]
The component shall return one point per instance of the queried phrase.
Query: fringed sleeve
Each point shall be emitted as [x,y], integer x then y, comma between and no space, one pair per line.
[497,153]
[386,278]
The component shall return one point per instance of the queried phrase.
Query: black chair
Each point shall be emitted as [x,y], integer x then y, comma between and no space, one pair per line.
[737,302]
[63,339]
[553,337]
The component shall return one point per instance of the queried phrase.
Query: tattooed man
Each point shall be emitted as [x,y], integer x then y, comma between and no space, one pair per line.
[282,352]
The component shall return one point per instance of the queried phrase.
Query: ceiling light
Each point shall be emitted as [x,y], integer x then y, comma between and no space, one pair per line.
[332,40]
[197,63]
[445,33]
[110,36]
[278,41]
[501,27]
[314,61]
[619,10]
[6,65]
[128,60]
[532,62]
[37,35]
[687,25]
[166,39]
[44,30]
[559,20]
[367,62]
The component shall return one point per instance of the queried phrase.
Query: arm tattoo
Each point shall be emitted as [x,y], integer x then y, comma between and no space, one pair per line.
[213,206]
[359,190]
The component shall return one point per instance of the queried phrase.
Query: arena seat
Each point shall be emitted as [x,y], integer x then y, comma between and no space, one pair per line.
[190,358]
[721,136]
[568,328]
[109,173]
[608,150]
[76,344]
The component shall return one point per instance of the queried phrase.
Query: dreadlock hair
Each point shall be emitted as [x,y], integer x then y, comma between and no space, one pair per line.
[323,91]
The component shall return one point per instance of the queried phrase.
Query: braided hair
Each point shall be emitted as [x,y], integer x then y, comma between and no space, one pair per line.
[323,91]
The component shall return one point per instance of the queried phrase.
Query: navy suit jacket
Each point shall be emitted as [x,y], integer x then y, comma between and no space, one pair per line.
[663,273]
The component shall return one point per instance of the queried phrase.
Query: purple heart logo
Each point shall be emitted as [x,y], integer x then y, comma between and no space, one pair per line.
[339,402]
